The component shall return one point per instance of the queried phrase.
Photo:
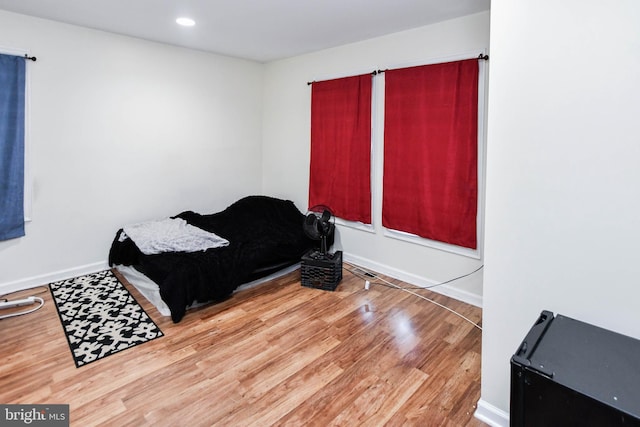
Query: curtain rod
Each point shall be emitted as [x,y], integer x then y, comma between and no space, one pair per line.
[481,56]
[30,58]
[373,73]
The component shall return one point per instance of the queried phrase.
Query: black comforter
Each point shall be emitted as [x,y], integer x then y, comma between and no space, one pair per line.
[264,233]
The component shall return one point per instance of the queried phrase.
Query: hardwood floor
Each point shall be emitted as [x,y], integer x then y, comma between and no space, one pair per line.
[277,354]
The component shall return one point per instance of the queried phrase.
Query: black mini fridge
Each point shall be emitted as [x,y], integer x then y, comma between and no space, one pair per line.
[570,373]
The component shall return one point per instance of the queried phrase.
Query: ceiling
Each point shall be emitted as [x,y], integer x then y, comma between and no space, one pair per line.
[260,30]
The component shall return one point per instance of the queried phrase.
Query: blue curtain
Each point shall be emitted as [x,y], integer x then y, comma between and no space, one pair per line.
[12,86]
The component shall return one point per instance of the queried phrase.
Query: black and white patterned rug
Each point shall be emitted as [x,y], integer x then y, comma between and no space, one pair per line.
[100,317]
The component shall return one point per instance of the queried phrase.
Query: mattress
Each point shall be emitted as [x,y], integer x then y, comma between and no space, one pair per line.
[151,291]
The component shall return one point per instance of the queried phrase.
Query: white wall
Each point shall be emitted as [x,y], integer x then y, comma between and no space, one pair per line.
[125,130]
[287,138]
[563,175]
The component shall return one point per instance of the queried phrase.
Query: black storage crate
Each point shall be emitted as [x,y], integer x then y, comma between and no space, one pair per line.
[321,271]
[569,373]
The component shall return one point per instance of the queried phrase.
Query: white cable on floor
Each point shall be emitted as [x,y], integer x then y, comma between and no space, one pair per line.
[439,305]
[37,299]
[368,275]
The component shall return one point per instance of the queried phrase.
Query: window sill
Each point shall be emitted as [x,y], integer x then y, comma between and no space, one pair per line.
[412,238]
[356,225]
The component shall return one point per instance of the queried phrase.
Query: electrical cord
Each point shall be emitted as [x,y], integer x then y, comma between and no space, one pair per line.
[367,275]
[31,310]
[36,299]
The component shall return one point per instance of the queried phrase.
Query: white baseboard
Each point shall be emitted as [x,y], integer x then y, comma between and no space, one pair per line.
[491,415]
[45,279]
[413,279]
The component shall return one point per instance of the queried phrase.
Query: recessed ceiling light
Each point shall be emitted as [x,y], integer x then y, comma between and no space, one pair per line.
[186,22]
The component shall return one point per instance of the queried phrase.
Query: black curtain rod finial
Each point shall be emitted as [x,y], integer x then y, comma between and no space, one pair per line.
[483,56]
[31,58]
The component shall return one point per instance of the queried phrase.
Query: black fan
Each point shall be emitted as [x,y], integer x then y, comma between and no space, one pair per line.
[318,225]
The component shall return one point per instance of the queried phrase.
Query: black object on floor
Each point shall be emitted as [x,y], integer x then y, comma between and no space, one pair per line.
[321,270]
[570,373]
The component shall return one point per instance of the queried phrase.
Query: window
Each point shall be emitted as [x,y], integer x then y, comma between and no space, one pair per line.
[423,180]
[430,177]
[12,145]
[340,166]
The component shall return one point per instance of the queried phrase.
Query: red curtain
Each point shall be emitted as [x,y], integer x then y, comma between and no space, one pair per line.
[340,173]
[430,179]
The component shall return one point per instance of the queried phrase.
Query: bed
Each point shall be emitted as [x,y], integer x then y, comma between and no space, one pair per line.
[264,236]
